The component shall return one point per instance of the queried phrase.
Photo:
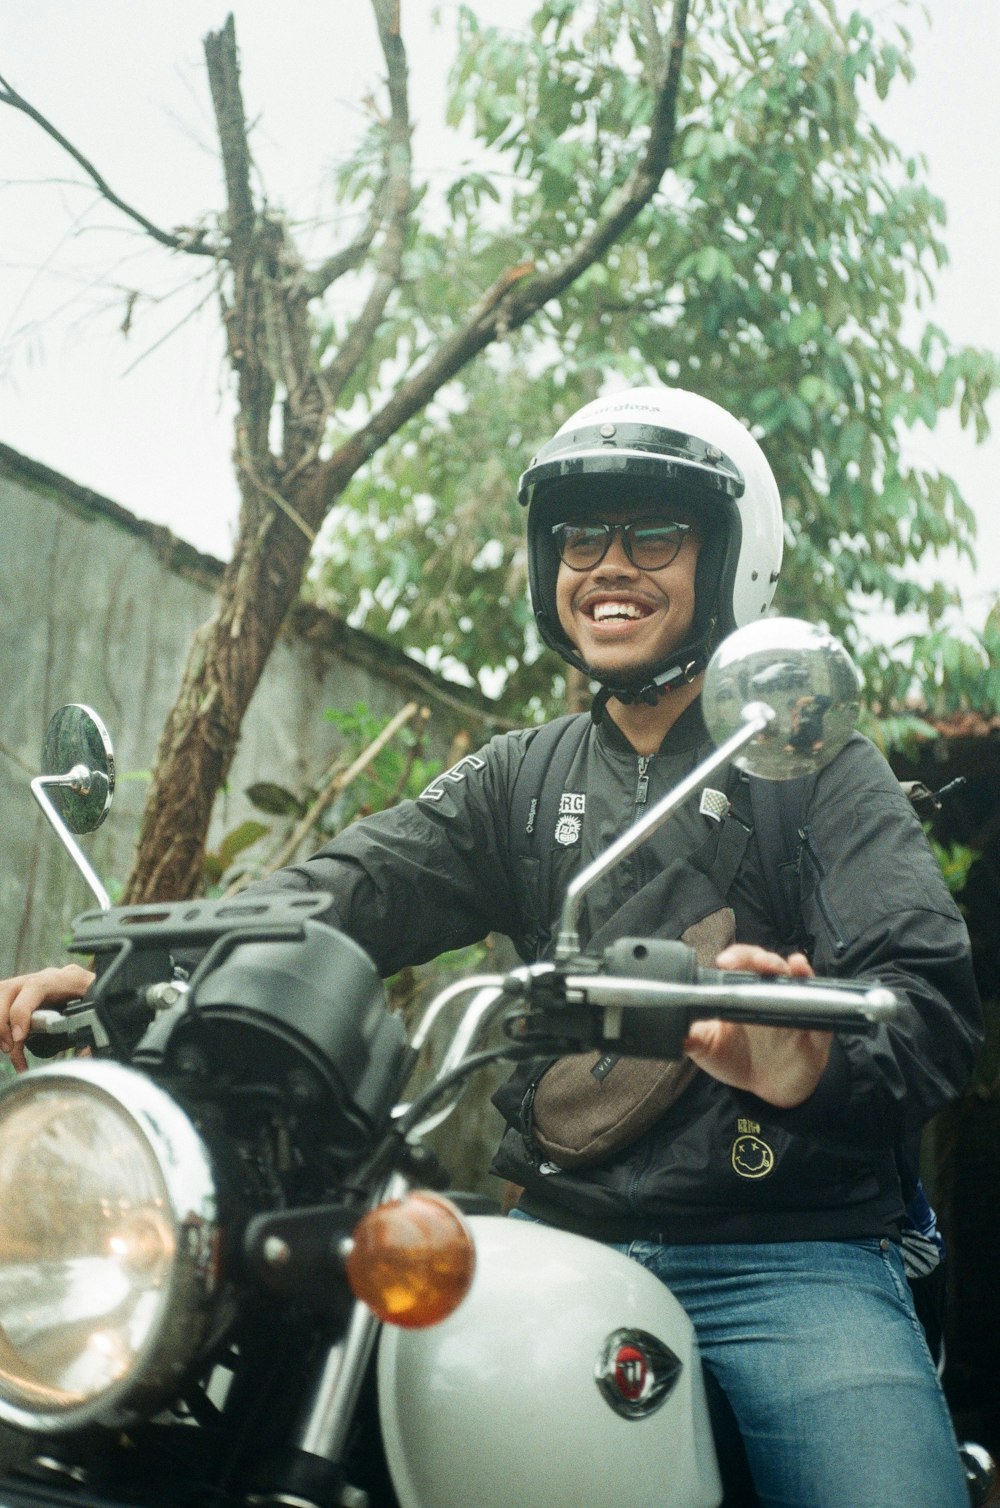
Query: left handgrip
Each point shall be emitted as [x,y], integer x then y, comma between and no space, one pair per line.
[53,1032]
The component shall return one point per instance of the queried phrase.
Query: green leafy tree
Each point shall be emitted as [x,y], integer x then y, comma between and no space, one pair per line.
[770,271]
[708,204]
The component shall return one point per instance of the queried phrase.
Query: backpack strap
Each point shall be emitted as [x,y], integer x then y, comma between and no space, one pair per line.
[736,830]
[534,800]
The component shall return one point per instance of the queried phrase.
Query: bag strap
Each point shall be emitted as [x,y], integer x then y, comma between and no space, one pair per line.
[779,810]
[777,815]
[534,800]
[736,832]
[539,782]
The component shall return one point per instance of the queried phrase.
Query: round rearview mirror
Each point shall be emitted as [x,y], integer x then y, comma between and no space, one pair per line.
[807,679]
[78,766]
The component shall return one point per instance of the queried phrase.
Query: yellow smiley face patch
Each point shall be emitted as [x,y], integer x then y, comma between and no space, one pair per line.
[750,1156]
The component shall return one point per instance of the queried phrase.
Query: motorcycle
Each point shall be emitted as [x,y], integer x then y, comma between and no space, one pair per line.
[229,1273]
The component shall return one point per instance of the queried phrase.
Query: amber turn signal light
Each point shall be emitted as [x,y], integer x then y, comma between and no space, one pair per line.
[412,1260]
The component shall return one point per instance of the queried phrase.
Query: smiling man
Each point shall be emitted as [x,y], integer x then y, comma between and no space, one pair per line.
[625,598]
[654,529]
[758,1177]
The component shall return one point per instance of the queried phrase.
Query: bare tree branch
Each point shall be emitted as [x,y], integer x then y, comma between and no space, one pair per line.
[523,289]
[190,241]
[337,781]
[341,262]
[192,313]
[398,199]
[651,32]
[227,100]
[252,244]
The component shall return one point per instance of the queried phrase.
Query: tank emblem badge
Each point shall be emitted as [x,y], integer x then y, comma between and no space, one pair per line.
[636,1372]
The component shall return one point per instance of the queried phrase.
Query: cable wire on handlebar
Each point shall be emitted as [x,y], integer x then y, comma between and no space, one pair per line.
[412,1118]
[415,1112]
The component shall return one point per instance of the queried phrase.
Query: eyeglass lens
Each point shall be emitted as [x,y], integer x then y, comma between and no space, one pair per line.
[649,545]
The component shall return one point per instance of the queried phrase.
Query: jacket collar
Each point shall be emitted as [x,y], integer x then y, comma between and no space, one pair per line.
[688,732]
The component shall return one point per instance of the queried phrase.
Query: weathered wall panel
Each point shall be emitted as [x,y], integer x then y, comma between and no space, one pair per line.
[98,607]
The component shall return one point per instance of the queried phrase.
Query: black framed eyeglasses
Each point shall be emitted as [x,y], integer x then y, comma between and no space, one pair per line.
[650,544]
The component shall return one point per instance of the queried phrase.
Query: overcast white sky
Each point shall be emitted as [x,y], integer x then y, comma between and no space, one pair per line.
[144,418]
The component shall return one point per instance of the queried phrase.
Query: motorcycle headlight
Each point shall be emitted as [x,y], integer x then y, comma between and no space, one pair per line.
[108,1245]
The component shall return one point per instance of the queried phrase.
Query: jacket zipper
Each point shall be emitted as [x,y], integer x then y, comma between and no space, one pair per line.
[642,785]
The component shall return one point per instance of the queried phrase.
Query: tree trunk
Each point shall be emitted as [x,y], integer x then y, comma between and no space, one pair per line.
[224,666]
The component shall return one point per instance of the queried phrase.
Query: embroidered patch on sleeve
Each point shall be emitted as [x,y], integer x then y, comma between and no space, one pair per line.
[454,776]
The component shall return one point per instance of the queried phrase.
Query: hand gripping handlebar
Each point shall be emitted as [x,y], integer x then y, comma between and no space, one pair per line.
[651,989]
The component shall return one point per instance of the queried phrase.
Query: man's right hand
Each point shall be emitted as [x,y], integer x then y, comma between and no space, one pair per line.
[26,993]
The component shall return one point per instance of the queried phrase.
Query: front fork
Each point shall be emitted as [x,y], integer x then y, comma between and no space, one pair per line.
[312,1473]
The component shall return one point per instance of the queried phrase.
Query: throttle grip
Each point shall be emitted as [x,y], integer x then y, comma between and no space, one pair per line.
[670,962]
[660,971]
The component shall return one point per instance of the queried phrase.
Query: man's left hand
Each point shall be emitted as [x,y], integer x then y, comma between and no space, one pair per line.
[779,1064]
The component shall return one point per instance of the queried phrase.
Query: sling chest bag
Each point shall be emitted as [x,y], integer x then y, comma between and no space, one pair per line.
[585,1105]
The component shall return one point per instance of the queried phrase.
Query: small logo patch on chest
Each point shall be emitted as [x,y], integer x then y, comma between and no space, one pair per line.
[751,1157]
[569,825]
[714,804]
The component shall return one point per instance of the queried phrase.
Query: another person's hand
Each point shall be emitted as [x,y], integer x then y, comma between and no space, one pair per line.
[779,1064]
[26,993]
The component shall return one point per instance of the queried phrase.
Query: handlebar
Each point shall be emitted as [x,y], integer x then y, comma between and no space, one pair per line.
[658,973]
[639,1000]
[763,1000]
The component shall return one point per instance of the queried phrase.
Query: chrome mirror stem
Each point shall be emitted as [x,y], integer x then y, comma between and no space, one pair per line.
[757,716]
[77,780]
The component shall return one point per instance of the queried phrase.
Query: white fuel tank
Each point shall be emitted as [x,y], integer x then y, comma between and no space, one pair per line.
[568,1378]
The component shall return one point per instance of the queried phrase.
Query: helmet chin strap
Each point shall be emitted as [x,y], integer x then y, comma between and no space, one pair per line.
[651,685]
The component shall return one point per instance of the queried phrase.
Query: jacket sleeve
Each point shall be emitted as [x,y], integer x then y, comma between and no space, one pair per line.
[875,906]
[427,875]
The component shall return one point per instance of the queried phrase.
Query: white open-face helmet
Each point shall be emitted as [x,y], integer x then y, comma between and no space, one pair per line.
[663,446]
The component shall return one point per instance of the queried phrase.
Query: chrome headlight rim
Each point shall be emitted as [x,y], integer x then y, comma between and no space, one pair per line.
[184,1170]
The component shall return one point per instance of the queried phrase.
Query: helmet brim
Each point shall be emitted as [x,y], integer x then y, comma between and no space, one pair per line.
[688,462]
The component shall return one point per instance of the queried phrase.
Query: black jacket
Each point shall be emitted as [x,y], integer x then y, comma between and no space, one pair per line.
[721,1165]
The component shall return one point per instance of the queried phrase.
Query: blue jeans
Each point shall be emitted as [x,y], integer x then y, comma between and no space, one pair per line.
[819,1352]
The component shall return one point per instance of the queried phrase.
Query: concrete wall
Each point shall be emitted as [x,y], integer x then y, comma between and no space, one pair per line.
[99,607]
